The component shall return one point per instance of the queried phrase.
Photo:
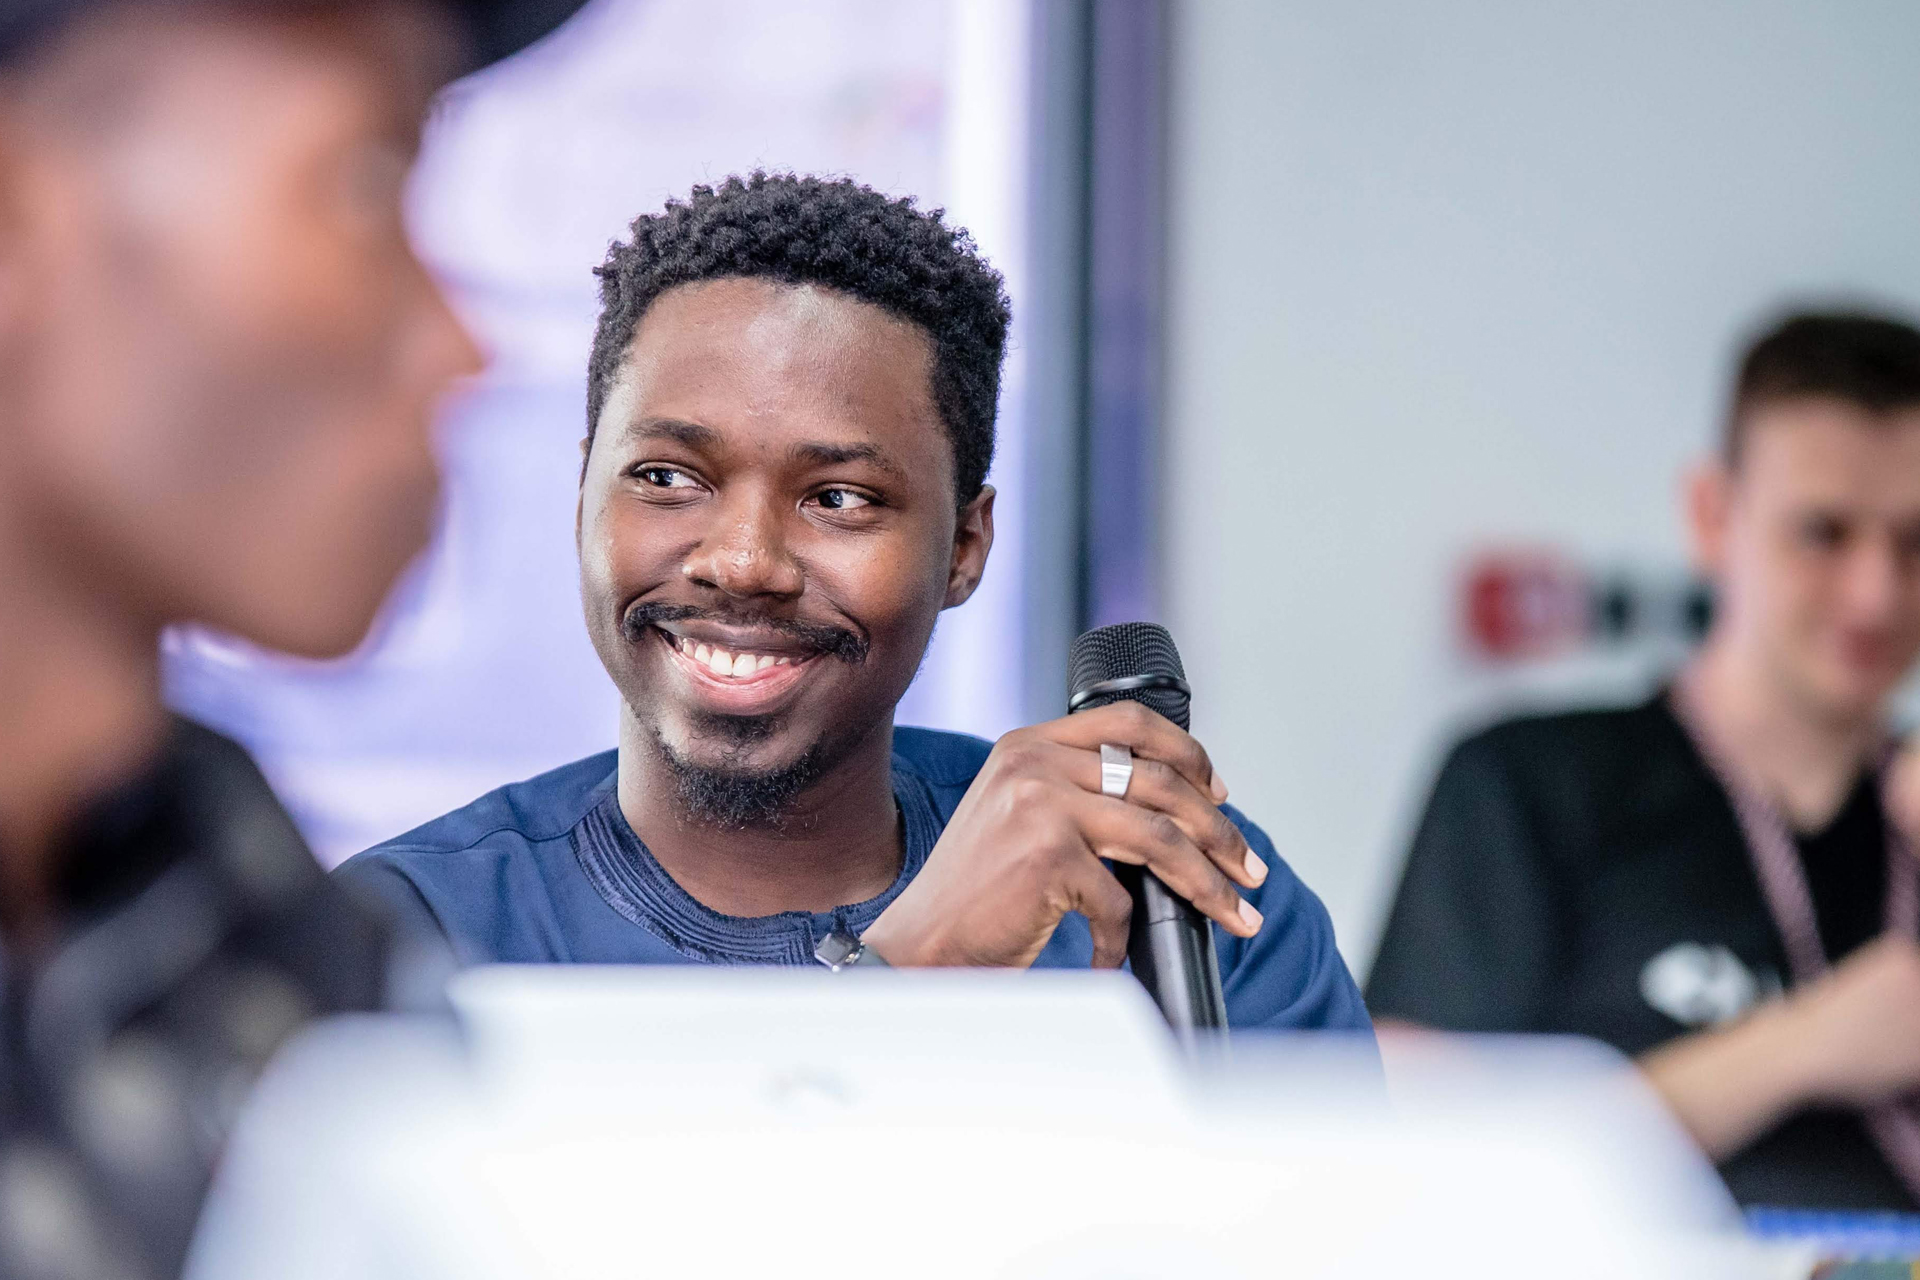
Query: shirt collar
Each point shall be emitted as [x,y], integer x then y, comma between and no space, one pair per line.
[631,881]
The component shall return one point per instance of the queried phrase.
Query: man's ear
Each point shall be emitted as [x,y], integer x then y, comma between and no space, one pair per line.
[972,540]
[1709,503]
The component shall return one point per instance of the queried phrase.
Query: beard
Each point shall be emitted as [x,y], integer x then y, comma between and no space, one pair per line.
[723,789]
[733,796]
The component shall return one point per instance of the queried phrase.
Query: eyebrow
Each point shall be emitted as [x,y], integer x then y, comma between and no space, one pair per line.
[690,434]
[815,453]
[829,455]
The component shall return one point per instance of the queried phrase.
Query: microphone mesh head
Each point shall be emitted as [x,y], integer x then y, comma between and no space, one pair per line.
[1128,649]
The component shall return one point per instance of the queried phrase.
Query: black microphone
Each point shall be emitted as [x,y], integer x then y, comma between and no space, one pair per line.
[1169,944]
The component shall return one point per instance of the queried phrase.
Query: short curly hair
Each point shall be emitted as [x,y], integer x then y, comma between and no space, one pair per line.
[841,235]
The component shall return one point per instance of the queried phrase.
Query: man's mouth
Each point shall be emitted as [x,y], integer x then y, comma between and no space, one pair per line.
[735,679]
[793,639]
[1871,651]
[728,664]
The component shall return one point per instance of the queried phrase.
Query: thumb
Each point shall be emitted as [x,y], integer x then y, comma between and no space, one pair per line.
[1903,794]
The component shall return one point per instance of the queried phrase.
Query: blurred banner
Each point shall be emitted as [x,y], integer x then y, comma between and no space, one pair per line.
[481,672]
[1527,604]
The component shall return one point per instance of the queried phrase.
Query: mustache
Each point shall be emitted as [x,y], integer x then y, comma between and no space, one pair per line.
[835,642]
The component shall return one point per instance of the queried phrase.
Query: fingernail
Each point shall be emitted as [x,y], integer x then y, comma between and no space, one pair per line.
[1256,869]
[1250,917]
[1219,789]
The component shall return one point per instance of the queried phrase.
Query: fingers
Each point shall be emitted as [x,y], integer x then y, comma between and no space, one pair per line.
[1107,906]
[1145,733]
[1903,795]
[1162,788]
[1126,832]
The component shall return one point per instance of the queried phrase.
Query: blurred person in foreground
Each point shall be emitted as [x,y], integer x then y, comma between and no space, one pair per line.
[220,359]
[790,419]
[1657,877]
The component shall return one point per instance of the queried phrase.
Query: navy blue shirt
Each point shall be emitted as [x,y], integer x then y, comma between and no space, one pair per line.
[548,871]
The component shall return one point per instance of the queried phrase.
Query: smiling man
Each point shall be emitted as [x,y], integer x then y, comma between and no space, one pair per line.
[790,418]
[1660,873]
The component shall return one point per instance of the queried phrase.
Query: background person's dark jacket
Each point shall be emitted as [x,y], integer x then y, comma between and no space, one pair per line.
[197,934]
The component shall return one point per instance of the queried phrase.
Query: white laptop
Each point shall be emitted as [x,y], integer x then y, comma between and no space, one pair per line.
[587,1122]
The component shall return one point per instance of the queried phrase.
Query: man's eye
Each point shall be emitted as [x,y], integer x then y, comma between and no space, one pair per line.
[1823,533]
[843,499]
[370,185]
[665,477]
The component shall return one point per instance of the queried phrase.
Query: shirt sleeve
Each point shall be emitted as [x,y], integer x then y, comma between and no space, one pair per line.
[1471,941]
[374,879]
[1290,975]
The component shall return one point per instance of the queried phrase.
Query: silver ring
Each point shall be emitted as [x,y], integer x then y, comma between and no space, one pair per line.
[1116,770]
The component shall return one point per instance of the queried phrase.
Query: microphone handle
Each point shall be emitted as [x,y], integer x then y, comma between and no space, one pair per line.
[1170,948]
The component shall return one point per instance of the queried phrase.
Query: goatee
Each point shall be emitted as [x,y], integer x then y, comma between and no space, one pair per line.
[731,796]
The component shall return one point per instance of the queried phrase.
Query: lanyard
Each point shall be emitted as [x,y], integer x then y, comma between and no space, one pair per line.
[1895,1125]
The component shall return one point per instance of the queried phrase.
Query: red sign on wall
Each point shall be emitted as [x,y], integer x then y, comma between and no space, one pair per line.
[1525,604]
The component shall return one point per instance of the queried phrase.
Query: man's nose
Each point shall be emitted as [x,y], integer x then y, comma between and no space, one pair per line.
[1878,577]
[746,554]
[454,353]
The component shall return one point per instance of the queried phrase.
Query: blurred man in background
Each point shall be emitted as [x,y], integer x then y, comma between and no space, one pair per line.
[1655,877]
[791,406]
[221,360]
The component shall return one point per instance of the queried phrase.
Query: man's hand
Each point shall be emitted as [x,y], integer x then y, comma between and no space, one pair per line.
[1859,1027]
[1024,846]
[1851,1038]
[1903,794]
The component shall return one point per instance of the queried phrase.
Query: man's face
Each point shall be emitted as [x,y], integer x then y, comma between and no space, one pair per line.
[767,525]
[1816,548]
[222,354]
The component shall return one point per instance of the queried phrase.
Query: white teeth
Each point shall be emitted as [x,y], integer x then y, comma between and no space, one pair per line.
[722,662]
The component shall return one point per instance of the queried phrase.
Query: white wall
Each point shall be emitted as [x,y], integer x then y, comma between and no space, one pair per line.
[1446,275]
